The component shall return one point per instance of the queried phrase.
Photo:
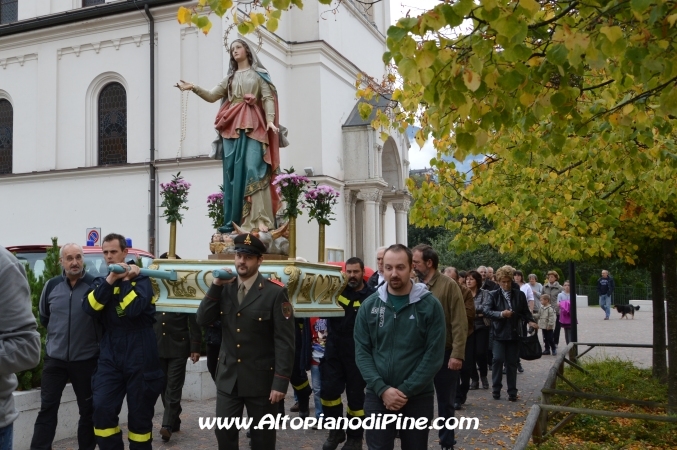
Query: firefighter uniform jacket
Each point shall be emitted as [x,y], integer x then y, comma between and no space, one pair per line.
[126,305]
[257,348]
[350,300]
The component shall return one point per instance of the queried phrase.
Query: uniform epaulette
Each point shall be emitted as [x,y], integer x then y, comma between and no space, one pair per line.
[278,282]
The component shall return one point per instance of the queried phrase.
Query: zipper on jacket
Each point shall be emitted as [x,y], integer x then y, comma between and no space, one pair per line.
[70,305]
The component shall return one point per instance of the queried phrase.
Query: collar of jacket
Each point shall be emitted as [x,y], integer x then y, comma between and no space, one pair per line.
[434,278]
[84,277]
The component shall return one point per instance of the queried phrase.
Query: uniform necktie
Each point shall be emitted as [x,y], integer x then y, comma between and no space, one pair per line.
[240,293]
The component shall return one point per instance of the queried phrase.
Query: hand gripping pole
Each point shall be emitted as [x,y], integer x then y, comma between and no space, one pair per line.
[165,275]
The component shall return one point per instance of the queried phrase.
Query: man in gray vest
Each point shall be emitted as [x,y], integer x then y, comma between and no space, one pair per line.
[71,349]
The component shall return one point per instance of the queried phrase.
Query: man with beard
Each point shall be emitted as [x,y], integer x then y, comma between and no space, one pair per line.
[338,370]
[376,279]
[257,350]
[399,347]
[446,290]
[71,349]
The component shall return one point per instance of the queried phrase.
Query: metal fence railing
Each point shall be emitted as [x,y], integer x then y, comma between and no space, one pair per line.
[538,425]
[621,296]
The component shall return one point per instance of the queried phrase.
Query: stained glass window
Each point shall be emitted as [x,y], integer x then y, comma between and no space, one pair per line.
[112,125]
[9,11]
[6,136]
[92,2]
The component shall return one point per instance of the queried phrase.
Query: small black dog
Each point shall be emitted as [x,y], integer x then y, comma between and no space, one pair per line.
[627,309]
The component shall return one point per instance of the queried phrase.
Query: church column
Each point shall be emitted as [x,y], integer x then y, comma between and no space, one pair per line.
[401,210]
[350,197]
[372,199]
[382,237]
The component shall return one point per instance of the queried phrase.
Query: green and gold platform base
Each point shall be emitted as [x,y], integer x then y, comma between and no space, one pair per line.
[313,288]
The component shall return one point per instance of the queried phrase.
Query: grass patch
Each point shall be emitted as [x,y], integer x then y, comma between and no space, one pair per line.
[617,378]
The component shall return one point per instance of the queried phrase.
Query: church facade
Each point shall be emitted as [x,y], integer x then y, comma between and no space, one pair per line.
[90,125]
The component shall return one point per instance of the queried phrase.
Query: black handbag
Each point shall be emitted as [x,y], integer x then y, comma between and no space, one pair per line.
[530,346]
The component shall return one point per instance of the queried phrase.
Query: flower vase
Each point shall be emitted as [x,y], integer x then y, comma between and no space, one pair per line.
[292,238]
[172,241]
[320,247]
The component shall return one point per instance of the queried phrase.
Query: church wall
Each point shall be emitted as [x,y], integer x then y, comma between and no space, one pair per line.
[51,91]
[37,207]
[355,38]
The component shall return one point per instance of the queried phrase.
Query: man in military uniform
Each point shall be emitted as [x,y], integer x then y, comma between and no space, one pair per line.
[338,369]
[178,337]
[128,362]
[257,351]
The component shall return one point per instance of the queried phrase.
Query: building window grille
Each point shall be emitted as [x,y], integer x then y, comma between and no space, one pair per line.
[9,11]
[112,125]
[92,2]
[6,136]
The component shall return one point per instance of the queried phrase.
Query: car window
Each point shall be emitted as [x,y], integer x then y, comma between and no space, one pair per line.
[96,265]
[36,261]
[146,261]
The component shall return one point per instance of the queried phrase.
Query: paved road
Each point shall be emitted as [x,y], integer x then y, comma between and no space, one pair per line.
[500,420]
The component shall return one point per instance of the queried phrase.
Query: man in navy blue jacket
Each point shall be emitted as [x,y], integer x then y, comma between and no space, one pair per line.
[129,363]
[605,288]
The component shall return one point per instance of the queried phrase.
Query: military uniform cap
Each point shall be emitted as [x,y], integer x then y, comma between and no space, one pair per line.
[248,243]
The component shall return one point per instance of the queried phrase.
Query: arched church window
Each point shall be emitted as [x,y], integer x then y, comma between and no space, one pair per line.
[9,11]
[112,125]
[6,136]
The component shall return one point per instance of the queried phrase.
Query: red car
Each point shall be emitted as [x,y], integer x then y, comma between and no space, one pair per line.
[34,256]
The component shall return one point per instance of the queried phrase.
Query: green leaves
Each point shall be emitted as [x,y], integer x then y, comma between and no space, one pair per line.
[579,111]
[465,141]
[557,54]
[409,70]
[612,33]
[396,33]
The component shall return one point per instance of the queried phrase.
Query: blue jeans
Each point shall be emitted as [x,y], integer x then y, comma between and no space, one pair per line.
[505,352]
[6,435]
[605,304]
[317,384]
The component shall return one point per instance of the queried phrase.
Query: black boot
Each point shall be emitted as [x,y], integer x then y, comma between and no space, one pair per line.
[334,439]
[353,444]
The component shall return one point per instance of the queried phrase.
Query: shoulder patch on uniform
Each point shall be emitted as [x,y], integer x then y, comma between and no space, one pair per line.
[278,282]
[287,310]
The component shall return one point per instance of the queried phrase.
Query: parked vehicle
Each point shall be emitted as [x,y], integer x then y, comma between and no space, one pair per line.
[34,256]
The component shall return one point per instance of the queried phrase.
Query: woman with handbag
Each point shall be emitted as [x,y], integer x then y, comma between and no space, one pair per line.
[507,308]
[482,326]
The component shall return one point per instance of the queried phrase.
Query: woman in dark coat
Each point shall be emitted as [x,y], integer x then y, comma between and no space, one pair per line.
[474,281]
[507,308]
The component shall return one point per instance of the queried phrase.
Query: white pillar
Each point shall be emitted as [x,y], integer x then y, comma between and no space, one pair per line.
[382,223]
[401,210]
[350,197]
[372,200]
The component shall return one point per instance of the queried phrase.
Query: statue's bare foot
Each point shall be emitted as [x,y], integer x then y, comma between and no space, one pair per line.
[263,228]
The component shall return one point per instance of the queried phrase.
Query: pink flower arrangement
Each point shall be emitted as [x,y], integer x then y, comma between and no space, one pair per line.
[174,198]
[290,186]
[215,208]
[320,200]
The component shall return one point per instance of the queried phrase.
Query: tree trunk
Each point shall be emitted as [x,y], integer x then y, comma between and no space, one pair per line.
[659,361]
[670,260]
